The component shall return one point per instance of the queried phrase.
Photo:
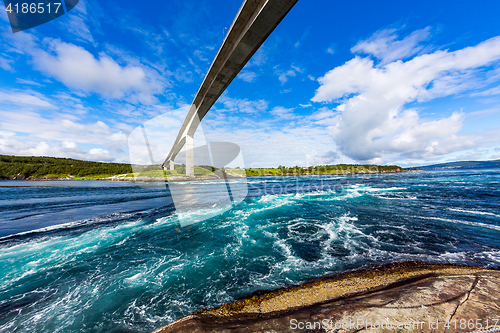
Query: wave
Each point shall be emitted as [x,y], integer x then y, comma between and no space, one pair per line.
[474,212]
[292,179]
[138,271]
[473,224]
[109,218]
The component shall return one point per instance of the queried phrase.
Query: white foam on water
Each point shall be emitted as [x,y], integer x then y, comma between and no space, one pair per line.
[400,196]
[71,225]
[134,280]
[273,201]
[381,189]
[474,212]
[292,179]
[343,228]
[55,251]
[453,256]
[358,190]
[338,231]
[283,264]
[491,256]
[199,215]
[474,224]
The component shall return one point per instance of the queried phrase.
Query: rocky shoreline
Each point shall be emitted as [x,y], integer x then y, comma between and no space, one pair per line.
[122,178]
[400,297]
[179,178]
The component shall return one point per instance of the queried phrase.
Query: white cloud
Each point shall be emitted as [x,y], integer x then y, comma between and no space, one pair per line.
[282,113]
[76,22]
[352,77]
[489,92]
[78,69]
[385,46]
[21,98]
[283,76]
[20,146]
[62,127]
[160,133]
[265,146]
[322,113]
[6,64]
[315,158]
[297,69]
[4,17]
[200,54]
[325,117]
[29,82]
[77,26]
[240,105]
[265,141]
[247,76]
[374,122]
[259,58]
[32,124]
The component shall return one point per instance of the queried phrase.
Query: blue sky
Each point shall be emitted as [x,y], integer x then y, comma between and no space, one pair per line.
[403,82]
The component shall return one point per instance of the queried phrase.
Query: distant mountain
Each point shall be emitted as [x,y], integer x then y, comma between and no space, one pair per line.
[462,165]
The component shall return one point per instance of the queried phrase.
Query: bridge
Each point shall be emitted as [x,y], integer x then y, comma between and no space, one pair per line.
[254,22]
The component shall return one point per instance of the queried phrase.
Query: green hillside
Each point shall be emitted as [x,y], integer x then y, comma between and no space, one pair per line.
[35,167]
[39,167]
[325,169]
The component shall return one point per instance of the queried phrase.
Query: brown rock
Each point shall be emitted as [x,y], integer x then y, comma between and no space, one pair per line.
[407,297]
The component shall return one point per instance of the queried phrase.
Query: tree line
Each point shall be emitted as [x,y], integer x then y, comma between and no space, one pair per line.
[37,166]
[325,169]
[40,167]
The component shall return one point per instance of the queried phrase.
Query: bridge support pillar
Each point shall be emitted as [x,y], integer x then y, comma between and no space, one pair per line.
[172,165]
[189,156]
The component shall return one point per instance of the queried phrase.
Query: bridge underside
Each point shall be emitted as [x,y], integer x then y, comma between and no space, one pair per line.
[255,21]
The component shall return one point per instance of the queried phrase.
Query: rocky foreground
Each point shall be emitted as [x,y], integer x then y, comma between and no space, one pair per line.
[402,297]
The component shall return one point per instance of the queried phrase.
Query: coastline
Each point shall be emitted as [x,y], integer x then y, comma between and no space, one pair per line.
[122,178]
[408,291]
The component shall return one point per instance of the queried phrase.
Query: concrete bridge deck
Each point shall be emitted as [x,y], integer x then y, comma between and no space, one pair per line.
[254,22]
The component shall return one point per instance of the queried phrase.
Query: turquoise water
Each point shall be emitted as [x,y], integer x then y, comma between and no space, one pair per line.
[112,257]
